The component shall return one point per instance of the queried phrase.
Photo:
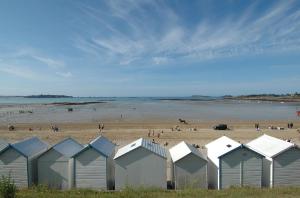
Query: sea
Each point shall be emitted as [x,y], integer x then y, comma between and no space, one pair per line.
[49,110]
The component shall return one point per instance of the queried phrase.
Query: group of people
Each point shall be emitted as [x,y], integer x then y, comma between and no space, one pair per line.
[289,126]
[100,126]
[54,128]
[153,133]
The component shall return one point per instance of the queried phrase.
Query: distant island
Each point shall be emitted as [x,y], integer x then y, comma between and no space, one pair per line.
[48,96]
[267,97]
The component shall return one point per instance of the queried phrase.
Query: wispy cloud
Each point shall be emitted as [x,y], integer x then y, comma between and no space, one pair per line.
[143,38]
[64,74]
[23,72]
[160,60]
[35,54]
[49,61]
[12,62]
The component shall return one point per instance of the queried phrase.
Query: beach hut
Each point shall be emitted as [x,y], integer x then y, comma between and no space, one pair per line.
[233,164]
[19,160]
[281,165]
[189,167]
[3,144]
[94,167]
[56,165]
[141,163]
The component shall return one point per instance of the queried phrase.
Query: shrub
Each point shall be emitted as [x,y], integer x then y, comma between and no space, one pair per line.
[8,188]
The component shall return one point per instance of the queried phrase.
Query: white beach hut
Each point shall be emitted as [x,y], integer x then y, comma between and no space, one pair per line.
[281,166]
[94,167]
[19,160]
[56,166]
[141,164]
[189,166]
[233,164]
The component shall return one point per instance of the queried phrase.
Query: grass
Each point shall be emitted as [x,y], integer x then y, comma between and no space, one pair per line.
[7,187]
[156,193]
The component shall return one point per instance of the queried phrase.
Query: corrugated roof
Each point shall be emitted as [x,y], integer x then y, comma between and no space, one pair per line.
[219,147]
[3,144]
[103,145]
[183,149]
[269,146]
[30,147]
[147,144]
[68,147]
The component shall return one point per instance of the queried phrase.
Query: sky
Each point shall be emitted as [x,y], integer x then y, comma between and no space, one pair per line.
[149,48]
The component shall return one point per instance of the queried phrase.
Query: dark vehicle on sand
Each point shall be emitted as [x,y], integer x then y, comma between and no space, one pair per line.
[221,127]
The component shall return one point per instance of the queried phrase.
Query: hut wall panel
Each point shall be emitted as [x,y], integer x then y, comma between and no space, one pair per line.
[191,172]
[266,173]
[90,170]
[241,167]
[212,175]
[15,164]
[251,168]
[287,168]
[53,170]
[110,171]
[230,170]
[140,168]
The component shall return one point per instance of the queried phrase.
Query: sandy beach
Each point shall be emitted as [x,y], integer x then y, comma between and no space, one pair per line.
[123,132]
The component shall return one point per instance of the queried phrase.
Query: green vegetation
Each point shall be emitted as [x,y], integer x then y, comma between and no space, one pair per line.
[48,96]
[296,94]
[295,97]
[155,193]
[7,187]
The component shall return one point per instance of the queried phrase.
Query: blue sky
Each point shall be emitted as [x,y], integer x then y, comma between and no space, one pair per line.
[149,48]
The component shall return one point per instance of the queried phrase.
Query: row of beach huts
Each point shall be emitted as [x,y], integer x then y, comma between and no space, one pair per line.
[263,162]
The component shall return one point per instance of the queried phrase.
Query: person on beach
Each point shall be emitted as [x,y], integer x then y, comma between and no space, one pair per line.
[99,127]
[257,127]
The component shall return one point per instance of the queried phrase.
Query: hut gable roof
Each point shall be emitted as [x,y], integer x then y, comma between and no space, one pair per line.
[103,145]
[3,144]
[219,147]
[269,146]
[31,146]
[68,147]
[183,149]
[147,144]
